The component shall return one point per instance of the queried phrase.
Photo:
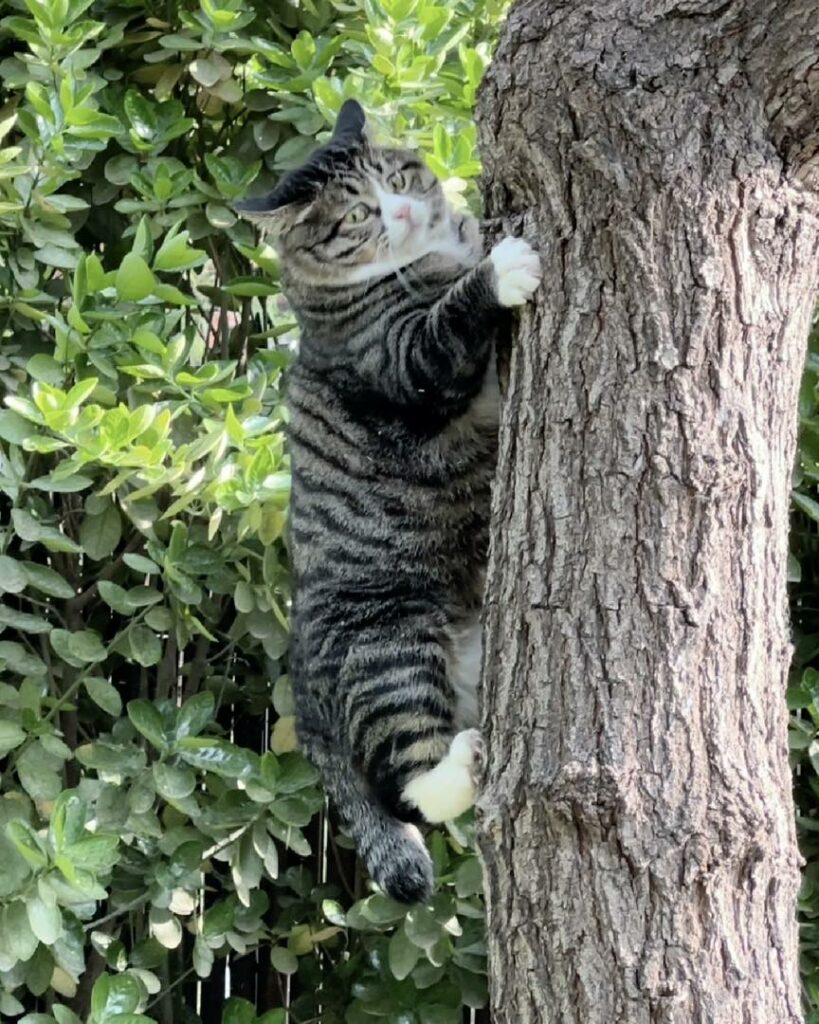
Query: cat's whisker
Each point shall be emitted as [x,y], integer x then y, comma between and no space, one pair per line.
[399,273]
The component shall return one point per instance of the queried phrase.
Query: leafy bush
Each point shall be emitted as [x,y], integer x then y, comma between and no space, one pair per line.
[156,820]
[803,693]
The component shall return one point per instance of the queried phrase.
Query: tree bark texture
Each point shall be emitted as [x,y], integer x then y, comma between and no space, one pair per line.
[636,820]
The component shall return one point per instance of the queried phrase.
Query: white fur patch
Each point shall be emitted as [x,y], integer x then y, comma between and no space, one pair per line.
[463,669]
[517,267]
[448,789]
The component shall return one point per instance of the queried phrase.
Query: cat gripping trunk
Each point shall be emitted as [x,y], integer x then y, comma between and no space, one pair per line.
[393,850]
[393,405]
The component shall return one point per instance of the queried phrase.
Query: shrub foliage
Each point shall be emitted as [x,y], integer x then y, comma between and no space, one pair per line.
[803,693]
[156,820]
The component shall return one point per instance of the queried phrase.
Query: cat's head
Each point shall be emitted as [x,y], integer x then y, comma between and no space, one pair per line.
[356,211]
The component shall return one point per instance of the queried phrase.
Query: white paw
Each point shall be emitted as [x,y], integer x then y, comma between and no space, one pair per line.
[467,748]
[517,271]
[448,789]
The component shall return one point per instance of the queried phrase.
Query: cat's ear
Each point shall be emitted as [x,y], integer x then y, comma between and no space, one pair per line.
[351,124]
[275,219]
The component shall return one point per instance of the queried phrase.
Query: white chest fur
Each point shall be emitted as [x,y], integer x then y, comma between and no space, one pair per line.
[464,651]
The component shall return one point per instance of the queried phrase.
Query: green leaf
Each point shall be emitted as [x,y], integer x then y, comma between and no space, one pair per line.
[81,390]
[113,759]
[114,995]
[31,529]
[45,920]
[174,41]
[63,1015]
[173,782]
[86,645]
[243,597]
[165,927]
[18,937]
[251,286]
[195,714]
[23,621]
[45,368]
[160,619]
[174,254]
[334,912]
[469,878]
[60,640]
[149,341]
[474,991]
[148,721]
[141,564]
[27,844]
[94,853]
[13,428]
[277,1016]
[402,954]
[806,504]
[134,280]
[217,756]
[283,700]
[422,928]
[61,485]
[115,597]
[145,646]
[13,577]
[67,823]
[292,811]
[47,580]
[17,658]
[11,736]
[283,960]
[39,772]
[238,1011]
[39,972]
[295,773]
[104,695]
[202,957]
[100,534]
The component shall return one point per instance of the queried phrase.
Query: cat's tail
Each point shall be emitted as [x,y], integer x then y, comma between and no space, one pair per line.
[393,850]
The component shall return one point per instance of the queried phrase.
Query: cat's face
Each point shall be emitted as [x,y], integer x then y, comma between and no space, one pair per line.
[356,211]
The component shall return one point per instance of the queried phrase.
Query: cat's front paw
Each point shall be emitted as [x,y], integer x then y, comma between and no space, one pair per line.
[517,271]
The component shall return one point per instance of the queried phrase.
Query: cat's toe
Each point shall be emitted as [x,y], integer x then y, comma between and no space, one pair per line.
[467,748]
[517,271]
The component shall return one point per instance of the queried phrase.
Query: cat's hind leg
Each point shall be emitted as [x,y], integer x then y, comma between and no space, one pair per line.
[400,718]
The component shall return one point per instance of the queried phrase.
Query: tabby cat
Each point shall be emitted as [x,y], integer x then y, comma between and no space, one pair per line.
[393,418]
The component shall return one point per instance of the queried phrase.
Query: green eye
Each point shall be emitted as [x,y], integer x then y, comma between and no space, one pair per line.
[398,181]
[358,214]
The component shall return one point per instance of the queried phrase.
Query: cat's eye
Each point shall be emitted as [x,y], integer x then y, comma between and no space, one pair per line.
[398,181]
[358,214]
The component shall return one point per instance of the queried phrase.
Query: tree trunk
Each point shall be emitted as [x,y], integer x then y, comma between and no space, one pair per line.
[637,821]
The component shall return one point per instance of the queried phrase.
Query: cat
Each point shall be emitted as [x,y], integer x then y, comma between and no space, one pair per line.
[393,403]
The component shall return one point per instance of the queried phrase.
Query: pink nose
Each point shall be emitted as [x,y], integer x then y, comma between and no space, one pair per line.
[404,212]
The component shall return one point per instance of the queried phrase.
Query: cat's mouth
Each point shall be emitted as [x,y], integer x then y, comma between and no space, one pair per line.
[402,231]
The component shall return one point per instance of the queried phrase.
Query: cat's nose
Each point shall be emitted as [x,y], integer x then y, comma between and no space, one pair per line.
[403,212]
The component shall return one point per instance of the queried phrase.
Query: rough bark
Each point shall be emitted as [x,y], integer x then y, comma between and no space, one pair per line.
[636,822]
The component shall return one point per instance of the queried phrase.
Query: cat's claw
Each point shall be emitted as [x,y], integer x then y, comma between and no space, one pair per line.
[468,749]
[517,271]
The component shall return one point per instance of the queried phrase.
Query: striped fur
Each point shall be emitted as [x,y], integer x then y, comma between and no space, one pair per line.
[393,418]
